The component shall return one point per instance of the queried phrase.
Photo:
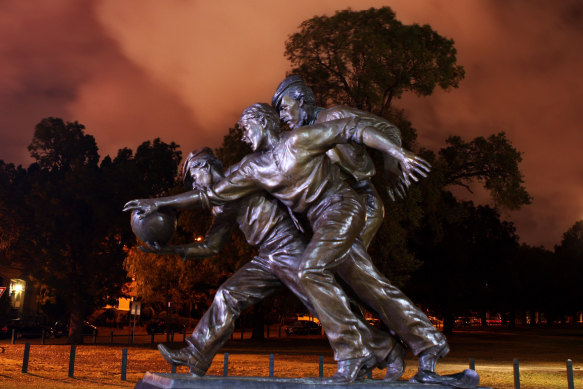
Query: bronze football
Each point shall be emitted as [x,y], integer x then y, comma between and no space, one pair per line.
[158,227]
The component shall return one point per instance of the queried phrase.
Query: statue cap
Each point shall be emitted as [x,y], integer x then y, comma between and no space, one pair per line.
[281,90]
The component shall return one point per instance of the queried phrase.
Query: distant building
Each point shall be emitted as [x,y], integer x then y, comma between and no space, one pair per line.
[25,295]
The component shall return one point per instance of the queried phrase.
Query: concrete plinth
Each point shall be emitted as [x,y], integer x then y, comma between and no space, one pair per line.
[186,381]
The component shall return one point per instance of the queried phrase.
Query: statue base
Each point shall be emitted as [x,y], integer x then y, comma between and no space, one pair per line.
[186,381]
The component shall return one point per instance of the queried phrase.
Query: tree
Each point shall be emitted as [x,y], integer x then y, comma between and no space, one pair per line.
[568,296]
[12,187]
[492,161]
[73,231]
[466,251]
[161,279]
[59,146]
[365,59]
[535,286]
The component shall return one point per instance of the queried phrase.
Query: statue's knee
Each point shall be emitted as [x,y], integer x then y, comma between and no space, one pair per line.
[303,276]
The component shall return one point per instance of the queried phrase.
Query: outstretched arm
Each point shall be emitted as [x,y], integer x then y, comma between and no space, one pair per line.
[214,241]
[411,165]
[206,248]
[185,251]
[321,137]
[186,200]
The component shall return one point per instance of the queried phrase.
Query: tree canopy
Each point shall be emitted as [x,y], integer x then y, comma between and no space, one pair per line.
[66,208]
[367,58]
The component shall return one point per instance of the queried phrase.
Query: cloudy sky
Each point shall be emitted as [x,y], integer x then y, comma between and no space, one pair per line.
[183,70]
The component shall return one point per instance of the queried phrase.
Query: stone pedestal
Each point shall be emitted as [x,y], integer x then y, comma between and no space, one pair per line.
[186,381]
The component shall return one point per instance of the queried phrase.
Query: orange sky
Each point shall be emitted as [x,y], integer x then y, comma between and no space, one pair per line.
[183,70]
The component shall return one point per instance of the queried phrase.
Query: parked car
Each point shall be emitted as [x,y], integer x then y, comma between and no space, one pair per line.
[61,328]
[467,321]
[303,327]
[162,326]
[28,327]
[5,329]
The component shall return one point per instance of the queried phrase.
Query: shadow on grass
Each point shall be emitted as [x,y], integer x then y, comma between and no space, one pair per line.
[101,383]
[46,378]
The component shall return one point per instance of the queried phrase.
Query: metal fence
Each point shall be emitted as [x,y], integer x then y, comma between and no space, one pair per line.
[472,365]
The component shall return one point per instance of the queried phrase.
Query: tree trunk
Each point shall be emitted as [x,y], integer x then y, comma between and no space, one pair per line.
[512,319]
[258,322]
[76,324]
[523,316]
[448,322]
[483,319]
[533,322]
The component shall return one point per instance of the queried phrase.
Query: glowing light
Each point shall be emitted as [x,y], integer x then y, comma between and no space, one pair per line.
[199,238]
[18,288]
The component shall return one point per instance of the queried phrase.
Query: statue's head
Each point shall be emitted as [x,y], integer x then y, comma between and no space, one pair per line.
[258,121]
[200,168]
[294,100]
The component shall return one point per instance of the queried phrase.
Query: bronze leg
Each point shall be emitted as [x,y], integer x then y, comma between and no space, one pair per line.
[389,302]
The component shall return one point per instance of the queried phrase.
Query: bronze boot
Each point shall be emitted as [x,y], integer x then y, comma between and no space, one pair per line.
[395,363]
[351,369]
[186,356]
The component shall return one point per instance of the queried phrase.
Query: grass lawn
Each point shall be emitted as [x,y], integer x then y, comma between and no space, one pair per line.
[542,355]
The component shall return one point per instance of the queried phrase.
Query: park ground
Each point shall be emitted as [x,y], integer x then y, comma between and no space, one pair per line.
[542,354]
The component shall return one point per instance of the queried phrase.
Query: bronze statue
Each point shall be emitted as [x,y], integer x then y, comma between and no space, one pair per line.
[296,104]
[294,168]
[266,224]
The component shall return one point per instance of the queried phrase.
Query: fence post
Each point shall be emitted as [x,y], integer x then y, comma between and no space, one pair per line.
[43,336]
[111,338]
[226,365]
[516,374]
[321,366]
[13,335]
[271,363]
[172,336]
[570,381]
[152,339]
[124,363]
[472,364]
[132,338]
[184,335]
[25,358]
[72,361]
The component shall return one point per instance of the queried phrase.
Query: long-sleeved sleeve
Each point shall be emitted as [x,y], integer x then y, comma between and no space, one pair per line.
[237,184]
[324,136]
